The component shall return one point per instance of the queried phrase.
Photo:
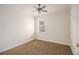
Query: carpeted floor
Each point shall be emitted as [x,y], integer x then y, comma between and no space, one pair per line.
[38,47]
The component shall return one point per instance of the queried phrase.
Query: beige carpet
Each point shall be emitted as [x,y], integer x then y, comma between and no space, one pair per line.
[38,47]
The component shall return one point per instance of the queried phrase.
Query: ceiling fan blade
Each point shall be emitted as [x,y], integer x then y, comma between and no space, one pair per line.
[43,6]
[44,10]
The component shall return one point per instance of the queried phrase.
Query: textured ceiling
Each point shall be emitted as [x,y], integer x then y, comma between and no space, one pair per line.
[27,8]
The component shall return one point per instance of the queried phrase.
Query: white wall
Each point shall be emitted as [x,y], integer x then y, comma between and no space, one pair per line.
[57,27]
[74,27]
[15,27]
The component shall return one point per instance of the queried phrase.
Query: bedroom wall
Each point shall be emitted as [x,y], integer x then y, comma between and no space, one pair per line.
[15,26]
[74,28]
[57,27]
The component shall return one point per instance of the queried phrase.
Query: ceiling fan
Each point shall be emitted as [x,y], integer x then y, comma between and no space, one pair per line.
[40,8]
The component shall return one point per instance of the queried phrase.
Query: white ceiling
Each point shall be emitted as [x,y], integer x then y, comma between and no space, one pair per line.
[27,8]
[58,7]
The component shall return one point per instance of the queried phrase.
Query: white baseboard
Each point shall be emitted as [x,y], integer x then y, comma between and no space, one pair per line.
[54,42]
[16,45]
